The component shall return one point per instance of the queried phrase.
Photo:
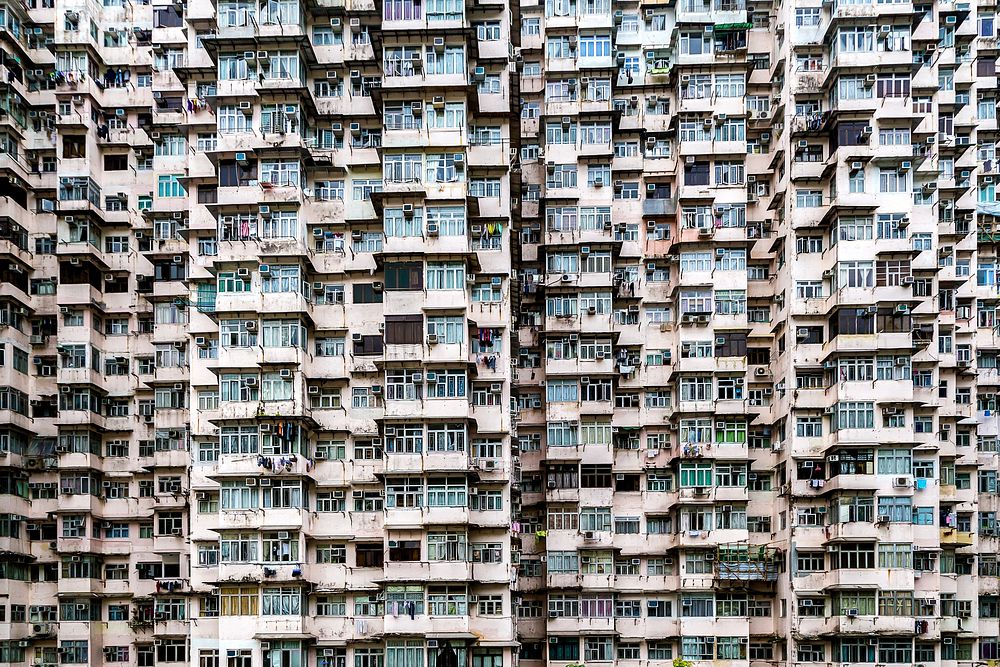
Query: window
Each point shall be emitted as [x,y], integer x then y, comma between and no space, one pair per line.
[694,474]
[698,648]
[281,601]
[893,180]
[594,46]
[895,556]
[695,43]
[168,185]
[807,16]
[562,391]
[446,276]
[238,601]
[894,461]
[446,492]
[855,414]
[855,39]
[595,519]
[564,648]
[897,509]
[403,276]
[855,556]
[410,652]
[447,384]
[74,652]
[808,198]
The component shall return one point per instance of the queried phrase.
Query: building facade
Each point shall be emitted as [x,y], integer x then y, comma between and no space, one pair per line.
[256,334]
[406,334]
[756,422]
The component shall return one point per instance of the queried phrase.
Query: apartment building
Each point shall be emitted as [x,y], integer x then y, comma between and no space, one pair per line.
[255,314]
[446,334]
[757,422]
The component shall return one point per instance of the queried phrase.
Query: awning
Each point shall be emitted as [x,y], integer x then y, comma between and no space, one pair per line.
[277,634]
[732,27]
[498,642]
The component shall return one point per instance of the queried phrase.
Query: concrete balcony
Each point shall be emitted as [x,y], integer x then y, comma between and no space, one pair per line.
[436,408]
[957,538]
[638,629]
[68,294]
[852,482]
[810,171]
[80,587]
[279,572]
[567,625]
[79,418]
[243,465]
[861,530]
[430,572]
[873,578]
[444,245]
[401,623]
[270,519]
[458,462]
[168,543]
[810,627]
[79,376]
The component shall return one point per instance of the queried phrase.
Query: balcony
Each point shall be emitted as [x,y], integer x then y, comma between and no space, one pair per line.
[665,207]
[957,538]
[436,571]
[398,621]
[814,627]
